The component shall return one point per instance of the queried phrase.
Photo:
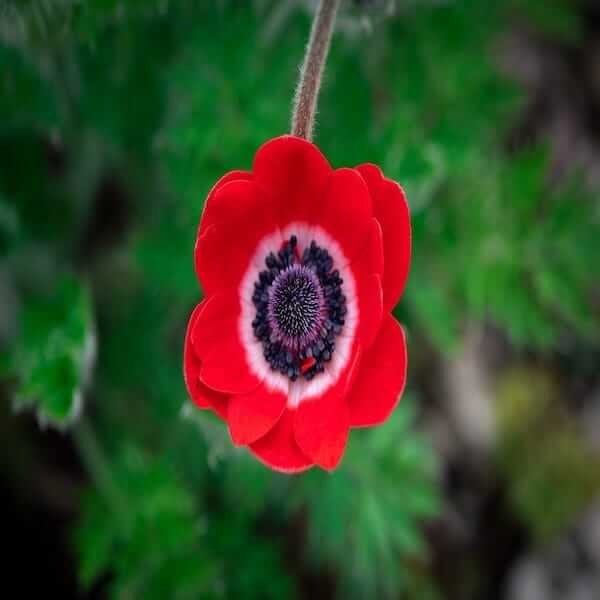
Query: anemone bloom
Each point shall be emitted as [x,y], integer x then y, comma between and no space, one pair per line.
[301,265]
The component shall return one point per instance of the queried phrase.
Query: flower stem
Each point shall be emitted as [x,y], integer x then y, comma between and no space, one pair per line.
[307,92]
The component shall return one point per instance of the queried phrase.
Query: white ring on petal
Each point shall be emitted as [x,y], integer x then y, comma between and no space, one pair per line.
[301,390]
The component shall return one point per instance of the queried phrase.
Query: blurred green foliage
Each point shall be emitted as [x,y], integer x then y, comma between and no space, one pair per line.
[153,534]
[54,353]
[159,98]
[365,520]
[545,459]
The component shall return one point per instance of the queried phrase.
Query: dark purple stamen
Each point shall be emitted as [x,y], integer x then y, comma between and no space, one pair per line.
[300,309]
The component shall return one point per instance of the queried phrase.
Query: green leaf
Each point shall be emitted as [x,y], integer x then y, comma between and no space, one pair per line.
[54,352]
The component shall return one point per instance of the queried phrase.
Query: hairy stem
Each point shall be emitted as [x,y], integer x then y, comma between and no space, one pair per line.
[307,92]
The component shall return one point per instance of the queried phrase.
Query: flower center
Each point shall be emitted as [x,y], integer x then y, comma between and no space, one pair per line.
[295,305]
[300,309]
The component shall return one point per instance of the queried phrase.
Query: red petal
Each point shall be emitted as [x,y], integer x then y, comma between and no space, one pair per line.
[381,377]
[238,216]
[205,220]
[367,270]
[346,210]
[321,430]
[225,369]
[252,415]
[217,342]
[370,307]
[391,210]
[216,401]
[278,449]
[201,396]
[372,252]
[220,262]
[191,364]
[295,173]
[321,425]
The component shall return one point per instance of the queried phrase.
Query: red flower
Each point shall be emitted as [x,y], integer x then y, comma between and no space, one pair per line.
[301,265]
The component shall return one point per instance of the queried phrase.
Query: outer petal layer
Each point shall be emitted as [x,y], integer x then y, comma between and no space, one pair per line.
[321,429]
[346,211]
[202,396]
[206,219]
[368,269]
[370,306]
[216,401]
[294,173]
[381,377]
[279,450]
[391,210]
[191,364]
[237,217]
[217,342]
[252,415]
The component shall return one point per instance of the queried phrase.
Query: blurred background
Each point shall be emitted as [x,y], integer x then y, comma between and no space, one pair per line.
[116,119]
